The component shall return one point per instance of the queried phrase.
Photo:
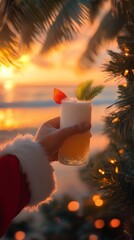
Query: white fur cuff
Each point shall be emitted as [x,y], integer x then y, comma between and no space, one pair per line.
[35,164]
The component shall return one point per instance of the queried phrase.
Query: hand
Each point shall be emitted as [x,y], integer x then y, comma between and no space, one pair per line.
[51,137]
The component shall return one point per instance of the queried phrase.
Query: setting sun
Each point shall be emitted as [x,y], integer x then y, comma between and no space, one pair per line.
[6,72]
[8,85]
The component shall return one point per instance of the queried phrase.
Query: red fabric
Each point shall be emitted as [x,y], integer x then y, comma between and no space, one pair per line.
[14,191]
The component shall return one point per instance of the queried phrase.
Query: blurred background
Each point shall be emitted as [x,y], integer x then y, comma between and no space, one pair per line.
[26,101]
[77,211]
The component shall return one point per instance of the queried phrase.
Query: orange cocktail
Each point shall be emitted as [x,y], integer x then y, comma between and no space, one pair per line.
[75,150]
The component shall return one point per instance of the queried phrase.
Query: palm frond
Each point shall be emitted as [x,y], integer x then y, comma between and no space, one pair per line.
[67,23]
[108,30]
[8,46]
[4,10]
[30,18]
[26,20]
[60,20]
[96,5]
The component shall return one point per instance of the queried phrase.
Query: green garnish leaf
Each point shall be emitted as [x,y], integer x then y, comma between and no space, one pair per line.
[86,90]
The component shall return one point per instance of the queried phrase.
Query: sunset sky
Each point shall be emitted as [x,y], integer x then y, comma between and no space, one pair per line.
[60,67]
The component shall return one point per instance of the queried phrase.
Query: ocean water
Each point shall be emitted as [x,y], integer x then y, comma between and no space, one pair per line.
[42,96]
[24,108]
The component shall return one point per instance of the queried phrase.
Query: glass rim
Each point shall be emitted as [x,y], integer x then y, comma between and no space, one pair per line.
[75,100]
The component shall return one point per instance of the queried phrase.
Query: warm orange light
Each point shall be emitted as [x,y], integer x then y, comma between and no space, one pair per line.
[24,58]
[93,237]
[126,54]
[96,197]
[99,223]
[121,151]
[124,84]
[126,72]
[7,120]
[73,206]
[113,161]
[20,235]
[8,85]
[99,202]
[115,223]
[101,171]
[6,72]
[115,120]
[116,169]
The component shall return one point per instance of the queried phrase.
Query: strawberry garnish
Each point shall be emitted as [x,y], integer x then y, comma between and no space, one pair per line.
[58,95]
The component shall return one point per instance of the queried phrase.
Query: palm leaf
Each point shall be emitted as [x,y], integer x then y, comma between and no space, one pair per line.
[86,90]
[4,10]
[69,20]
[59,19]
[30,18]
[67,23]
[95,8]
[108,30]
[8,46]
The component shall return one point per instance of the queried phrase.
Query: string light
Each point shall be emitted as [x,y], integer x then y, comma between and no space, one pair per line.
[116,169]
[73,206]
[115,223]
[101,171]
[124,84]
[126,53]
[121,151]
[99,202]
[96,197]
[115,120]
[20,235]
[113,161]
[99,223]
[126,72]
[93,237]
[126,49]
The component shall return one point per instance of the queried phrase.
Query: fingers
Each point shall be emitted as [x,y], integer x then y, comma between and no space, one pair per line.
[55,122]
[76,129]
[53,142]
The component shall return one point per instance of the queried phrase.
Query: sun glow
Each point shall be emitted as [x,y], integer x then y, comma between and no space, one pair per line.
[8,85]
[7,119]
[6,72]
[24,58]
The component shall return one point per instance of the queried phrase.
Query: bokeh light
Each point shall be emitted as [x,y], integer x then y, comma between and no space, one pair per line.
[8,85]
[99,202]
[20,235]
[115,223]
[101,171]
[73,206]
[93,237]
[6,72]
[96,197]
[99,223]
[121,151]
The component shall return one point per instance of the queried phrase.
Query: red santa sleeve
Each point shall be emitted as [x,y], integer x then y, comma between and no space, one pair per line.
[26,178]
[14,191]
